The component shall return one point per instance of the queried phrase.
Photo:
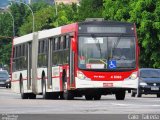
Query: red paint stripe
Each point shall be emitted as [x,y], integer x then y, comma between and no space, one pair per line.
[15,81]
[55,77]
[37,79]
[68,28]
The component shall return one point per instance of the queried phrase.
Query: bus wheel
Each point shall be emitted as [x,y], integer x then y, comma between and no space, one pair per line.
[97,97]
[120,95]
[158,95]
[89,97]
[54,95]
[61,95]
[139,94]
[23,95]
[133,94]
[44,93]
[32,96]
[68,95]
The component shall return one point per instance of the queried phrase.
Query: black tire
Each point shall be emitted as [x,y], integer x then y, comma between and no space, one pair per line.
[120,95]
[158,95]
[23,95]
[133,94]
[129,91]
[68,95]
[54,95]
[44,93]
[97,97]
[61,95]
[31,96]
[89,97]
[139,94]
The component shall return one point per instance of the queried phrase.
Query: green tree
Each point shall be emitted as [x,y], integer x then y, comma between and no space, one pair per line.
[90,9]
[46,18]
[43,19]
[146,15]
[66,14]
[5,37]
[116,10]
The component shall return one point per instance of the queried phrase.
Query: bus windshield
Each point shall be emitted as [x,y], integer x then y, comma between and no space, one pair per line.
[99,52]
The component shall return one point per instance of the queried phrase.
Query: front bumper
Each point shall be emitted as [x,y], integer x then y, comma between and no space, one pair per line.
[2,84]
[149,89]
[128,84]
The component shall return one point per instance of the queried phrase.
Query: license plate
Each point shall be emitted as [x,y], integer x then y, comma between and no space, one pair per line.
[1,82]
[107,84]
[154,88]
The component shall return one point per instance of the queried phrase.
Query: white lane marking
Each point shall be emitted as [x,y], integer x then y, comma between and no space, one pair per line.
[117,104]
[120,104]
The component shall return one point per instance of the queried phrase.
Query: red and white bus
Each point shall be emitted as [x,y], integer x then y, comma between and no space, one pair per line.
[90,58]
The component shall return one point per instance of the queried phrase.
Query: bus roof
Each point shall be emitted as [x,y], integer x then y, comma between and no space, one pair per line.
[106,22]
[45,33]
[41,35]
[63,29]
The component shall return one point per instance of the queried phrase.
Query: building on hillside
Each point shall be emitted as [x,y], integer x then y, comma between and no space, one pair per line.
[33,1]
[53,1]
[67,1]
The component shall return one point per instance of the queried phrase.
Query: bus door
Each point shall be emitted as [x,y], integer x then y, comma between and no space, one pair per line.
[29,64]
[72,61]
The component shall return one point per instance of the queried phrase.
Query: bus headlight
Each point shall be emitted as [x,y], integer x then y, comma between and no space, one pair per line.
[80,75]
[133,76]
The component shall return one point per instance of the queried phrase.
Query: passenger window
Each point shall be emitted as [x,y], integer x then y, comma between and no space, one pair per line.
[56,44]
[61,43]
[64,42]
[53,44]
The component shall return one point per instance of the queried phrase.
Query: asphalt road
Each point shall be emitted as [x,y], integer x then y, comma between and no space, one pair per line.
[11,103]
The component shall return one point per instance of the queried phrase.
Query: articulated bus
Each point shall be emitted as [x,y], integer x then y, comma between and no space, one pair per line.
[90,59]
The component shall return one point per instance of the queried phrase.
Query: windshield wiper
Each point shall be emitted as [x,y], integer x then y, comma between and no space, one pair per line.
[97,44]
[115,45]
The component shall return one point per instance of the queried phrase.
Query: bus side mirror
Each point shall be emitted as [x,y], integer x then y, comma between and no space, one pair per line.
[73,44]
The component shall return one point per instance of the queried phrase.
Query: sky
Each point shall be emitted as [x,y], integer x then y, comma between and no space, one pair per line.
[3,3]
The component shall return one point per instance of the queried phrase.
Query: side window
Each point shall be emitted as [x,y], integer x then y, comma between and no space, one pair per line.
[18,51]
[23,49]
[53,44]
[14,52]
[43,46]
[39,46]
[64,42]
[61,42]
[56,44]
[67,41]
